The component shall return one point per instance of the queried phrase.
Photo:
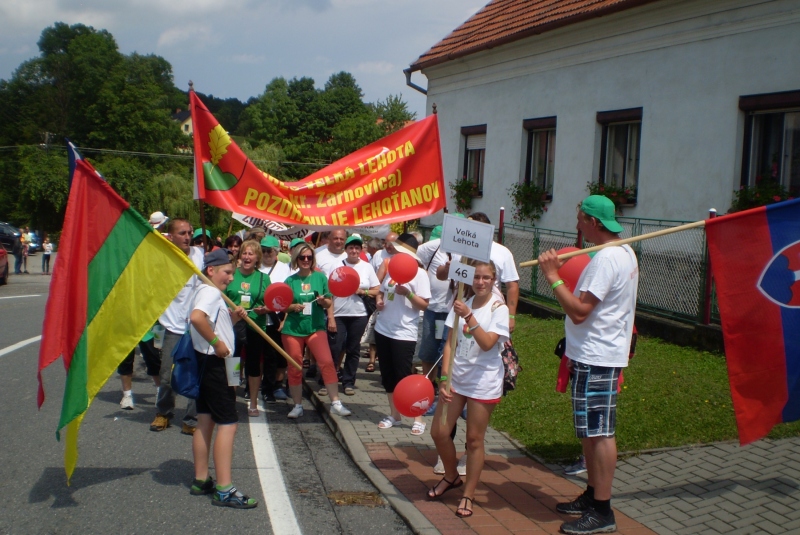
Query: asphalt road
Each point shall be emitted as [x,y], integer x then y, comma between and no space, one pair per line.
[132,480]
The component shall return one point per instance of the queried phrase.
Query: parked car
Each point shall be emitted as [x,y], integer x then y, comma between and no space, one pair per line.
[8,235]
[33,244]
[3,266]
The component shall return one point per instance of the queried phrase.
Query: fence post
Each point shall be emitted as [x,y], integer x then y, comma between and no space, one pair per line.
[712,213]
[501,226]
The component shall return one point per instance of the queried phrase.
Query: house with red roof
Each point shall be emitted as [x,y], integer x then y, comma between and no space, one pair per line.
[674,103]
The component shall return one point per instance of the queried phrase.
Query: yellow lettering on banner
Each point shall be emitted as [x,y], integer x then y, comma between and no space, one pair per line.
[320,200]
[342,218]
[273,208]
[250,195]
[376,208]
[363,171]
[330,199]
[416,196]
[349,174]
[356,220]
[263,201]
[359,192]
[391,156]
[381,161]
[399,151]
[320,182]
[371,165]
[435,190]
[405,202]
[382,184]
[386,204]
[349,196]
[427,194]
[409,148]
[337,177]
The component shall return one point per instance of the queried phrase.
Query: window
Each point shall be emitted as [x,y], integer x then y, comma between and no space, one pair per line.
[541,158]
[772,139]
[474,154]
[620,147]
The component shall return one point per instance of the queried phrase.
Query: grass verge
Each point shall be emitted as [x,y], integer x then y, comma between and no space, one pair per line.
[671,396]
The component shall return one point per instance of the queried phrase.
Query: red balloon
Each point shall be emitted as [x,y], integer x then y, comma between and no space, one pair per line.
[413,396]
[343,281]
[403,268]
[278,296]
[573,267]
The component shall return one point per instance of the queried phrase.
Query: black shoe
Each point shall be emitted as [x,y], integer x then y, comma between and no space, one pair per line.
[269,397]
[578,506]
[591,522]
[246,394]
[311,372]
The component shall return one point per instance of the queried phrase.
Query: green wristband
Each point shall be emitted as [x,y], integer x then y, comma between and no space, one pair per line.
[556,284]
[410,294]
[214,341]
[443,378]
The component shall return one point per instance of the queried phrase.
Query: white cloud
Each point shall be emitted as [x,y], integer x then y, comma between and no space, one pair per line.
[179,34]
[376,67]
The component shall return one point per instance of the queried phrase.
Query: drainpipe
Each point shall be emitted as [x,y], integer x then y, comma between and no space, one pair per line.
[411,84]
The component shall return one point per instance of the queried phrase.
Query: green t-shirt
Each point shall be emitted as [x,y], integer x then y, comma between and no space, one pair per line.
[253,287]
[298,323]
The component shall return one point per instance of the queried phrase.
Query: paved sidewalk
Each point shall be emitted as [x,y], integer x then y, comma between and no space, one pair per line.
[720,488]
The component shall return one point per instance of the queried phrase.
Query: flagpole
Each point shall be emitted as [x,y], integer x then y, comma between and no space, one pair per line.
[664,232]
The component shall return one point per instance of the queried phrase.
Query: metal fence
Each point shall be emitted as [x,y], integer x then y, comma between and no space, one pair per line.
[672,268]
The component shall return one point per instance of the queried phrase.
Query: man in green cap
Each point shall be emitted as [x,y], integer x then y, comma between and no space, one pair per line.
[599,327]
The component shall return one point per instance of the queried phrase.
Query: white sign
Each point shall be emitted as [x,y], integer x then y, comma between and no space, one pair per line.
[461,273]
[467,237]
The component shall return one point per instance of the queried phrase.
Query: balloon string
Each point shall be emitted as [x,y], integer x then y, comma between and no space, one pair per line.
[427,375]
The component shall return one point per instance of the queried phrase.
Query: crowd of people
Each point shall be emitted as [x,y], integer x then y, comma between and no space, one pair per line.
[458,341]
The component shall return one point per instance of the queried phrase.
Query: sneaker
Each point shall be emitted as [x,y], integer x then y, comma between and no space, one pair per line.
[349,391]
[591,522]
[340,410]
[187,429]
[127,402]
[439,468]
[578,506]
[269,397]
[160,423]
[296,412]
[246,394]
[280,394]
[462,465]
[233,498]
[200,488]
[577,468]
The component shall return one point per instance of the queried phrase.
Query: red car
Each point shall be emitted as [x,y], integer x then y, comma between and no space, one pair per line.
[3,266]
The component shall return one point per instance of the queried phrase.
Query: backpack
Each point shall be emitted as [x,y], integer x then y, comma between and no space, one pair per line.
[511,367]
[186,371]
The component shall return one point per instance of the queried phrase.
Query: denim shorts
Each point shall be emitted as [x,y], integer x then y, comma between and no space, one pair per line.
[594,400]
[430,347]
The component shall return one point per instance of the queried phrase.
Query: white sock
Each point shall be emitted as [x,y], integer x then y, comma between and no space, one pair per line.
[127,392]
[337,403]
[299,405]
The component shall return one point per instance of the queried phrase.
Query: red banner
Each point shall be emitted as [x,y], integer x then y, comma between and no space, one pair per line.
[397,178]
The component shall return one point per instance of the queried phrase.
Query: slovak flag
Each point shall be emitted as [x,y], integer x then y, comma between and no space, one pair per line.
[755,260]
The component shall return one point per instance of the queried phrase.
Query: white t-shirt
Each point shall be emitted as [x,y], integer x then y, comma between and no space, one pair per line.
[476,373]
[177,314]
[327,261]
[278,272]
[398,319]
[354,305]
[503,261]
[377,260]
[432,256]
[209,300]
[604,337]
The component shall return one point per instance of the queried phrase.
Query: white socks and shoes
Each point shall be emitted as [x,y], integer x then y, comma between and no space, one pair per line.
[462,466]
[127,400]
[339,409]
[296,412]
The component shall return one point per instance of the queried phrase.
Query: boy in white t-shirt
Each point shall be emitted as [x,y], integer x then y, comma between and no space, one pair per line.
[599,327]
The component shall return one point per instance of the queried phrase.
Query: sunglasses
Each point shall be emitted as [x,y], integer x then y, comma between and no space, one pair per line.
[267,250]
[306,258]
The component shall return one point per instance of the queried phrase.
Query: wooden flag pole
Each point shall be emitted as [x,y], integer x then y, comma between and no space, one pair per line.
[633,239]
[252,324]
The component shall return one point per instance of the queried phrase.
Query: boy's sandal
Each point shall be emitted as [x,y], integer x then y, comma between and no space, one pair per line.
[457,482]
[387,423]
[465,511]
[418,428]
[252,412]
[370,367]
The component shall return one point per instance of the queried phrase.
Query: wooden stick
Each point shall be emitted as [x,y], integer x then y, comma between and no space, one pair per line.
[252,324]
[453,344]
[641,237]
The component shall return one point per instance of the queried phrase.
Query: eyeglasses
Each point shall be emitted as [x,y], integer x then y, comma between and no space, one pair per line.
[267,250]
[305,258]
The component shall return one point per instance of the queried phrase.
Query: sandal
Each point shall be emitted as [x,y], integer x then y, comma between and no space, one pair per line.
[465,511]
[370,367]
[457,482]
[418,428]
[387,423]
[252,412]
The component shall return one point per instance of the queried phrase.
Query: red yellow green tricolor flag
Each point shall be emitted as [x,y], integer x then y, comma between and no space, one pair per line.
[113,277]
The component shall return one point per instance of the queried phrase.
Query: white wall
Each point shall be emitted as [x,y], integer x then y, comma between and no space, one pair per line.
[685,62]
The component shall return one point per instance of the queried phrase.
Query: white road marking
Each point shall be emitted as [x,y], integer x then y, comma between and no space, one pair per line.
[18,296]
[19,345]
[279,507]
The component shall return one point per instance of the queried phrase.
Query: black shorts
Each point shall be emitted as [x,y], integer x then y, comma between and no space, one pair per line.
[216,397]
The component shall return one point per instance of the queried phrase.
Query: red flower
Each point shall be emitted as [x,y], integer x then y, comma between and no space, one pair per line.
[613,193]
[776,198]
[601,188]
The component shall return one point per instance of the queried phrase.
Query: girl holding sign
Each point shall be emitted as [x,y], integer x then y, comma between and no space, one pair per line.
[476,381]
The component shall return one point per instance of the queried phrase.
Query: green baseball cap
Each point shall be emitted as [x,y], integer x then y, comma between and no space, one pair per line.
[436,233]
[271,241]
[198,232]
[602,208]
[355,238]
[295,242]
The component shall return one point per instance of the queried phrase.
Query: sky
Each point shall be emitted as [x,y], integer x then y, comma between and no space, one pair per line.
[233,48]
